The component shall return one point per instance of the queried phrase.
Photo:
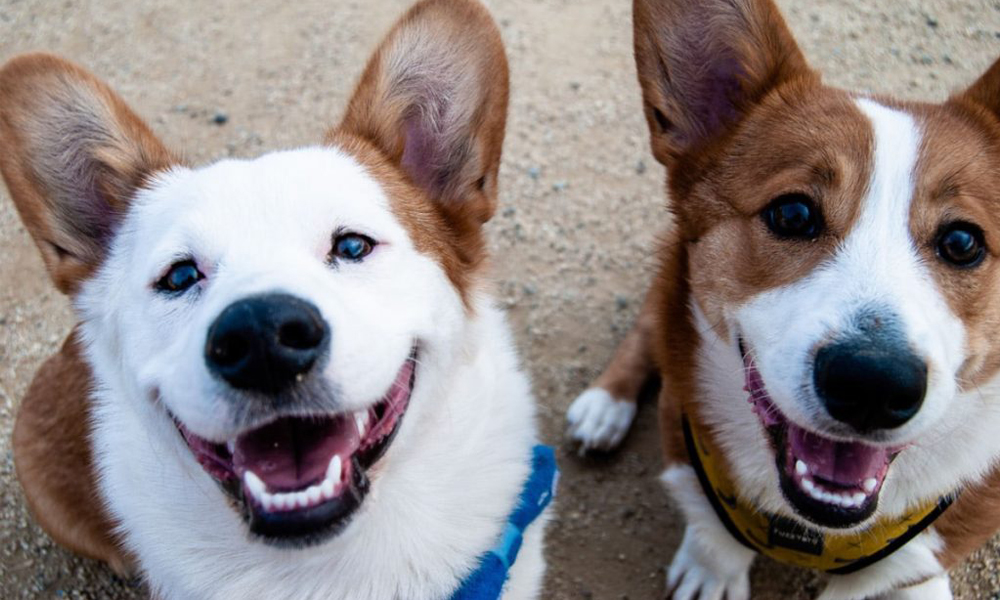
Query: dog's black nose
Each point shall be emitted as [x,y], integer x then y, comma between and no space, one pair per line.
[266,343]
[870,386]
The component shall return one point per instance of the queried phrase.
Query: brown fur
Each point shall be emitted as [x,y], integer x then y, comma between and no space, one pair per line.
[958,178]
[632,363]
[47,101]
[54,461]
[725,168]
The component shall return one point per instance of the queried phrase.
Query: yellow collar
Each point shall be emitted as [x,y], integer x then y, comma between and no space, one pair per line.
[792,541]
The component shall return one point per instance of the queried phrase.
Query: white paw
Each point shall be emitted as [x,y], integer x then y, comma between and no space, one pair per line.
[599,422]
[699,573]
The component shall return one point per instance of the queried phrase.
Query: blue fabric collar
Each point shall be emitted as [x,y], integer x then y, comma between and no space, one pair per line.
[487,581]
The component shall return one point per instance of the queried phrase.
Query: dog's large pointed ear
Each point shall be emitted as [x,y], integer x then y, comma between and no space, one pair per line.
[433,99]
[985,92]
[72,155]
[703,64]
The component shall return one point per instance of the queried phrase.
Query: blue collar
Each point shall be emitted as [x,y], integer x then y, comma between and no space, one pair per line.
[487,581]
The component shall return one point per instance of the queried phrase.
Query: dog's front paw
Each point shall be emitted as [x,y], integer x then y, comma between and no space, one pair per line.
[597,421]
[700,573]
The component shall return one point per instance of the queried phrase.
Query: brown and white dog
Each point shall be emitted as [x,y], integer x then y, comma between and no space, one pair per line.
[300,385]
[826,317]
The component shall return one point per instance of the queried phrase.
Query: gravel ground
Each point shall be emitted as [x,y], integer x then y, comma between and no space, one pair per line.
[581,202]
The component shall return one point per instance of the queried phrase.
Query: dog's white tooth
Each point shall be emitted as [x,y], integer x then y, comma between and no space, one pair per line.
[801,468]
[869,484]
[254,485]
[808,485]
[302,499]
[268,501]
[859,498]
[279,501]
[334,470]
[829,498]
[314,494]
[361,420]
[327,488]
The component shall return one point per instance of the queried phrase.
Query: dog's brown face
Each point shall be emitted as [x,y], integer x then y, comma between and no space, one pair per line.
[842,250]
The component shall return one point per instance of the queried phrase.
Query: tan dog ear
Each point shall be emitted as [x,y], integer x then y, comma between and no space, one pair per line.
[703,64]
[433,99]
[985,92]
[72,155]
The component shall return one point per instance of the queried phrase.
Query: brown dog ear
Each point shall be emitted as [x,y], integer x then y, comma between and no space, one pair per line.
[433,99]
[72,155]
[703,64]
[985,92]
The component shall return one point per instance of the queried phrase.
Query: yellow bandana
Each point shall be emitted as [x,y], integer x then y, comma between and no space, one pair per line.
[791,541]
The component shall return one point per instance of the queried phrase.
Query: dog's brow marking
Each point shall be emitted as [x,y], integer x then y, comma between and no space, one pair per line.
[885,210]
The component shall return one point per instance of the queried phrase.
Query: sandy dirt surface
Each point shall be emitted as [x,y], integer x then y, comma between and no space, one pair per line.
[581,202]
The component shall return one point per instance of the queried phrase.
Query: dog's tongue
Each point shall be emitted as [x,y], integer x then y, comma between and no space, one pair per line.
[294,453]
[843,463]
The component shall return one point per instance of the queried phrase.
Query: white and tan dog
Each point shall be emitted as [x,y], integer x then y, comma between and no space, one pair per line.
[301,387]
[826,319]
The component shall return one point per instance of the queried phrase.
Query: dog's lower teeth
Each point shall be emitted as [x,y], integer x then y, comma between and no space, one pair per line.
[801,468]
[846,500]
[869,484]
[311,496]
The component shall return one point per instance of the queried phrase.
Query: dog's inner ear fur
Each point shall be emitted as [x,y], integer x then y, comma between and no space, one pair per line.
[433,99]
[73,155]
[703,64]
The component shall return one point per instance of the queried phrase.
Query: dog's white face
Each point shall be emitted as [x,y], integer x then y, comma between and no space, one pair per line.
[841,260]
[273,318]
[267,249]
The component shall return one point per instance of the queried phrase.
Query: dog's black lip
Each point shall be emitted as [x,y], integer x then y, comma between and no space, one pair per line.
[308,527]
[807,507]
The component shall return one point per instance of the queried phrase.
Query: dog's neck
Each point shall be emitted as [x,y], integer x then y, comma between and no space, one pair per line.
[438,500]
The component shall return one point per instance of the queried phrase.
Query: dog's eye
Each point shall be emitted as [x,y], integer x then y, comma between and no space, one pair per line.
[351,246]
[180,277]
[793,216]
[961,244]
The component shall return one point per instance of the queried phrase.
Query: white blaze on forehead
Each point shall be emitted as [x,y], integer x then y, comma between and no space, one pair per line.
[886,208]
[882,251]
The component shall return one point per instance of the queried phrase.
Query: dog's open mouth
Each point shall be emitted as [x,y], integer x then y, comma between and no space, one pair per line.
[297,480]
[830,482]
